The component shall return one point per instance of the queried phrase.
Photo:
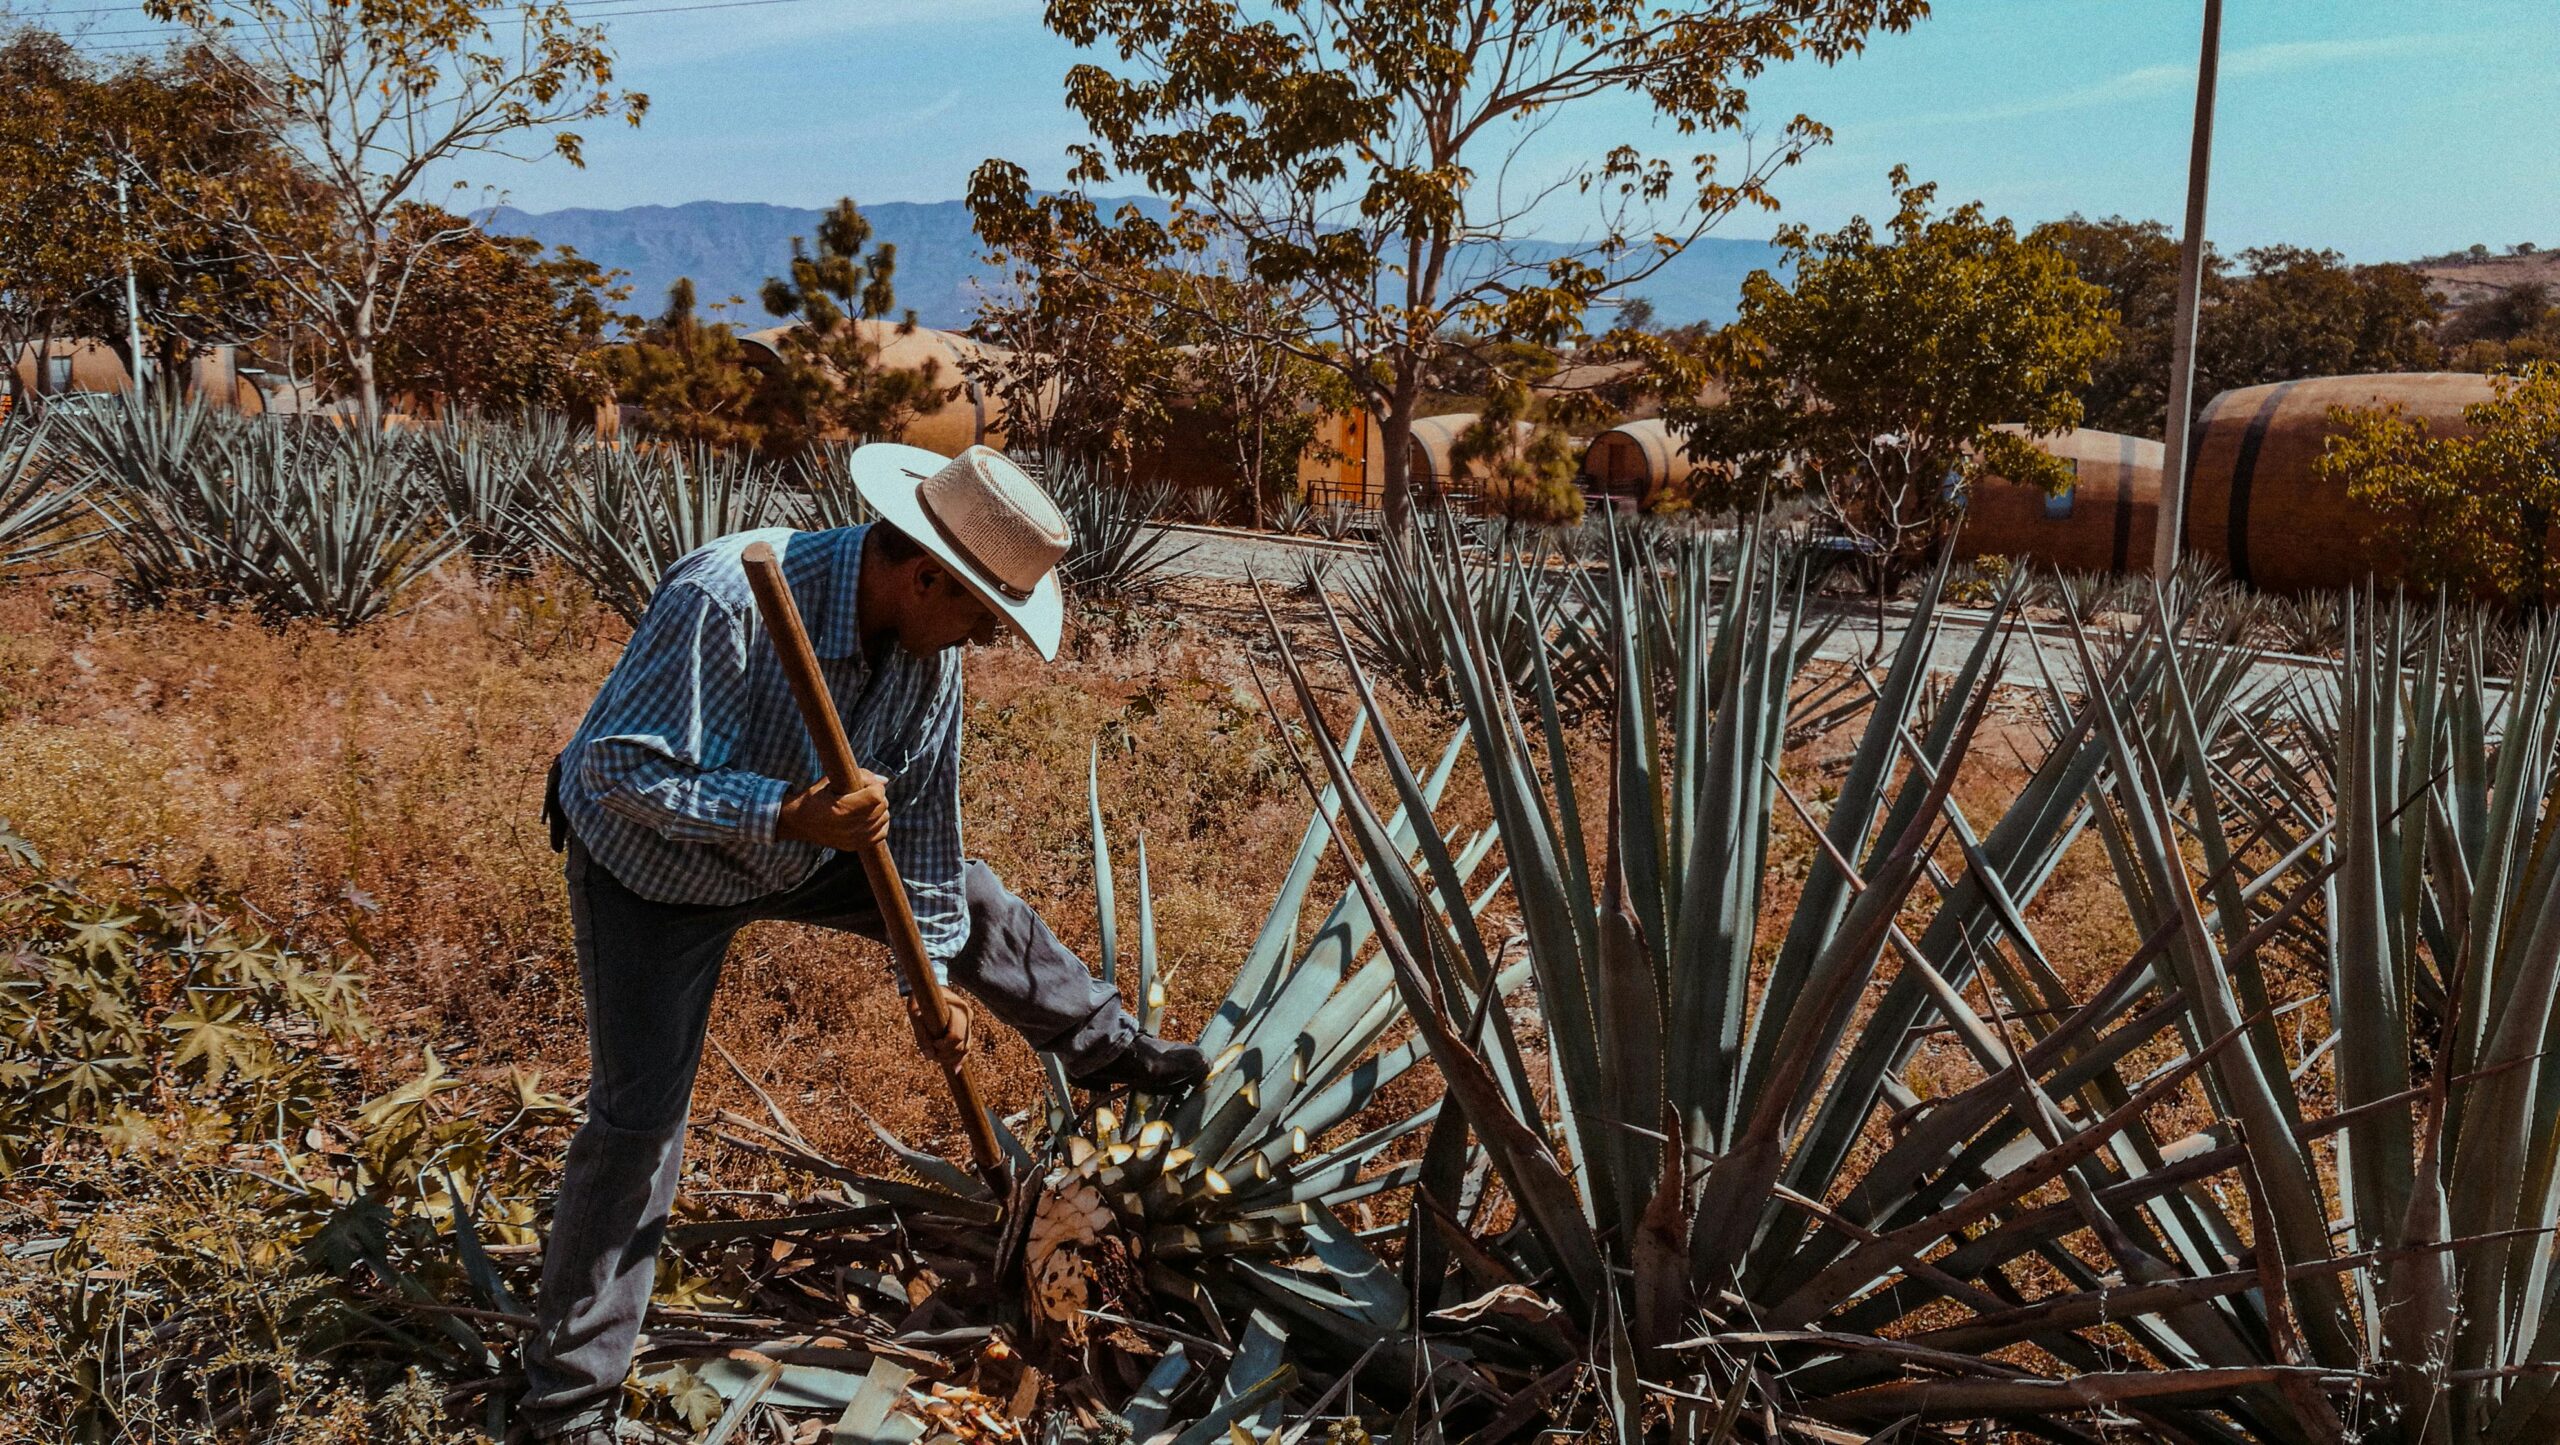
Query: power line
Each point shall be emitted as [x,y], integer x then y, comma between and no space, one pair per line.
[173,29]
[181,34]
[129,6]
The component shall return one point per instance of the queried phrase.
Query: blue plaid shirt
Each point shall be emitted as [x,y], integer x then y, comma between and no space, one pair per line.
[676,778]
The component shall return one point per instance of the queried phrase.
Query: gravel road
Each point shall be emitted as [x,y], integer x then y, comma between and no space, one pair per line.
[2034,655]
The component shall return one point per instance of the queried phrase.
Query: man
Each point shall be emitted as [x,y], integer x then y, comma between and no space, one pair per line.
[692,804]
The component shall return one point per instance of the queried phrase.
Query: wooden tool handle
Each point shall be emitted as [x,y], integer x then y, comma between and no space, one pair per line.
[835,754]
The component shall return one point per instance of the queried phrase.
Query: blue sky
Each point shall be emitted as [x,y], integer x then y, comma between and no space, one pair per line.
[2383,128]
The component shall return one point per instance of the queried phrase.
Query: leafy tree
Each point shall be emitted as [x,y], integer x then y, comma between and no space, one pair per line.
[371,96]
[2283,312]
[2472,513]
[1372,153]
[491,324]
[1528,472]
[685,379]
[2137,263]
[1518,439]
[176,129]
[1086,366]
[1878,379]
[2507,329]
[50,187]
[2298,312]
[1263,399]
[829,382]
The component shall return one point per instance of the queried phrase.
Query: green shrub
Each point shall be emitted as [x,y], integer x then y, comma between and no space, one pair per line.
[210,1233]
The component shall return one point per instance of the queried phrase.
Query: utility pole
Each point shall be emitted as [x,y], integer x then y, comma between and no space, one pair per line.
[132,295]
[2170,537]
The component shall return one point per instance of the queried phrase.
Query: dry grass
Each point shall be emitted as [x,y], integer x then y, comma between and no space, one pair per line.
[381,789]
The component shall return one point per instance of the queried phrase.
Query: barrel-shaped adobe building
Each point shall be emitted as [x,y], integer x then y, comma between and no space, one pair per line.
[2257,500]
[64,364]
[1431,454]
[1638,461]
[1430,463]
[2104,522]
[971,416]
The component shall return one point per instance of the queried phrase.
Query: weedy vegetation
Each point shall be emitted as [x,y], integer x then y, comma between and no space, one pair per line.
[2105,1038]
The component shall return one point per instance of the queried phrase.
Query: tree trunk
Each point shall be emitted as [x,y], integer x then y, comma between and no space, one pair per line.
[1396,487]
[1253,470]
[360,350]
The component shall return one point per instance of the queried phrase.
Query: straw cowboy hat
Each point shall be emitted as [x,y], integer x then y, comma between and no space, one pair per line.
[984,518]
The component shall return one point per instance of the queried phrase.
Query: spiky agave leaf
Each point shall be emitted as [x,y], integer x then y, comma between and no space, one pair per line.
[1243,1176]
[40,498]
[632,513]
[1715,1111]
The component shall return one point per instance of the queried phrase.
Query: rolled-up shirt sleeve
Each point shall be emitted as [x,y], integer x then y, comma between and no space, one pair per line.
[924,831]
[679,701]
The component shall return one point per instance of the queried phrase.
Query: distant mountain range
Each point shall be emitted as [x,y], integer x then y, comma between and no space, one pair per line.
[730,247]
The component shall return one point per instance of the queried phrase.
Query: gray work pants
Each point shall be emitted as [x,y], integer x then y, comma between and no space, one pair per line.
[648,970]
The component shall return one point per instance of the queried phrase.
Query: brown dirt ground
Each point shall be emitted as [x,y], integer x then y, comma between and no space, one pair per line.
[379,789]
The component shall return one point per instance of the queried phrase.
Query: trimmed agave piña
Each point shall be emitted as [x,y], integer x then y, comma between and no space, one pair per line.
[1761,1211]
[1225,1206]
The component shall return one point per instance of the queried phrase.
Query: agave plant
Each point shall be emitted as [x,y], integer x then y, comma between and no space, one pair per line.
[1337,521]
[321,522]
[1223,1209]
[1203,504]
[824,479]
[154,476]
[39,499]
[1536,614]
[2313,624]
[1763,1210]
[630,514]
[2416,1260]
[1115,550]
[348,523]
[488,472]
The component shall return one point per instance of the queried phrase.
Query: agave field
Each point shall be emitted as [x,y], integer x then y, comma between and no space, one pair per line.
[328,522]
[1579,1116]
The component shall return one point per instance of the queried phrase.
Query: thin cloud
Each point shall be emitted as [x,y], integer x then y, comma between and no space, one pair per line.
[2150,82]
[943,105]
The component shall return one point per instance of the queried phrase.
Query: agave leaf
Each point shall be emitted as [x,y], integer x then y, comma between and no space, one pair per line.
[1271,948]
[1148,1409]
[866,1418]
[1529,1166]
[1106,910]
[2240,1083]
